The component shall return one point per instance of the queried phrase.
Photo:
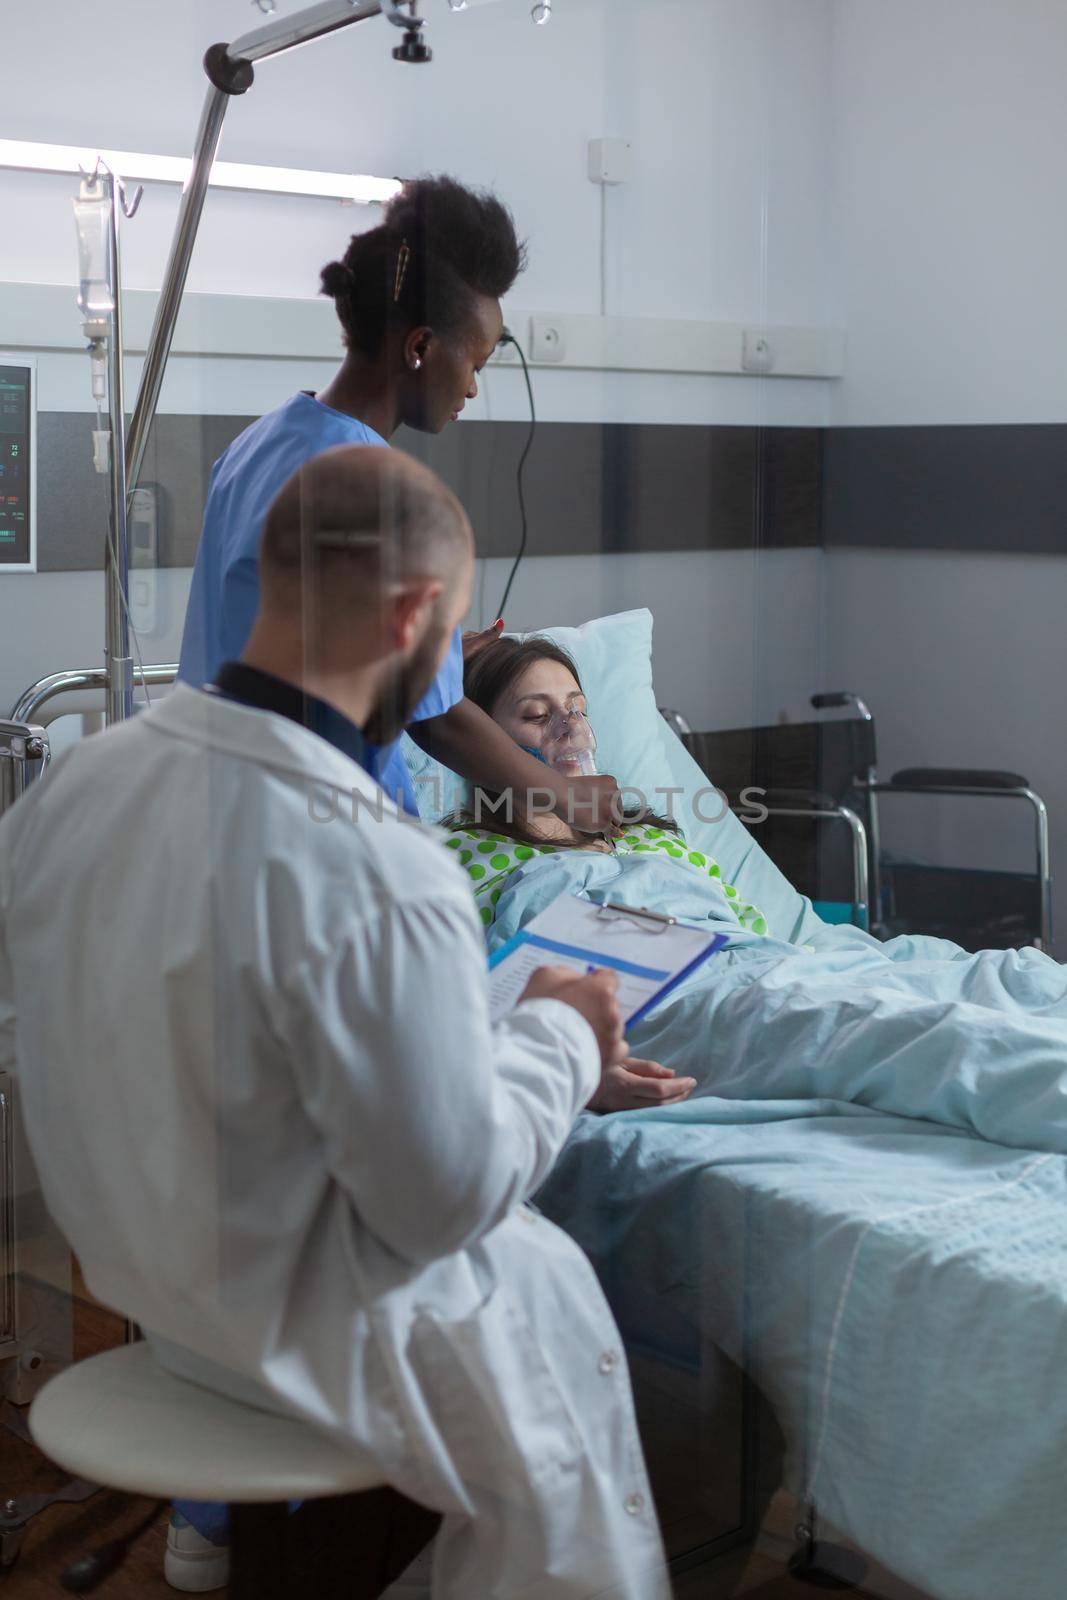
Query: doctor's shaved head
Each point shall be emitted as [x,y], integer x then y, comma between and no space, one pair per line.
[365,565]
[356,521]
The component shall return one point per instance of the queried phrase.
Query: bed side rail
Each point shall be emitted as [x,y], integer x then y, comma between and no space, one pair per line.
[82,689]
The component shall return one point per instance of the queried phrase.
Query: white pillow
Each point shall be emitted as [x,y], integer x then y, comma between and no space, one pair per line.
[613,656]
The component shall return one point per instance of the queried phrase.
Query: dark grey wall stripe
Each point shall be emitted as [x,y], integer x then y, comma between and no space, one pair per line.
[617,488]
[982,488]
[613,488]
[591,487]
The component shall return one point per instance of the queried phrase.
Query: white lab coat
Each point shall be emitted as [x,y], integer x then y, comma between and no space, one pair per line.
[270,1115]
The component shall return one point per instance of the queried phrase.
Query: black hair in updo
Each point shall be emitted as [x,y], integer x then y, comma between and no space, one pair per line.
[438,243]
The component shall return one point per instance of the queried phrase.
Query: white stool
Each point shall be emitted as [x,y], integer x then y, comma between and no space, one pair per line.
[120,1420]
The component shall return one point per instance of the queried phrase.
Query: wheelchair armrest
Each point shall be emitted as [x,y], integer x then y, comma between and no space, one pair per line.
[957,778]
[799,799]
[983,783]
[828,702]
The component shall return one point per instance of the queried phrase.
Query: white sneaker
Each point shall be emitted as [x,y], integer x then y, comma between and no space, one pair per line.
[195,1565]
[192,1563]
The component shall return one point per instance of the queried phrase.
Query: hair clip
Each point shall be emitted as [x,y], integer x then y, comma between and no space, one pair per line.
[402,259]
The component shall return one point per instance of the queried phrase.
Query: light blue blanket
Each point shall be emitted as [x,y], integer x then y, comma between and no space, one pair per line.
[899,1290]
[867,1200]
[914,1027]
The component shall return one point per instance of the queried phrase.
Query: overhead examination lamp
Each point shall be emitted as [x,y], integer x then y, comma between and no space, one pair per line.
[231,71]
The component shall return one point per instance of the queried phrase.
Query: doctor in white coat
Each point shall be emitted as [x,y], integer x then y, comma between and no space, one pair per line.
[247,1006]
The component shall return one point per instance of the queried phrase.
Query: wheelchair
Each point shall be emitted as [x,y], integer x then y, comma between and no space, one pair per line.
[822,795]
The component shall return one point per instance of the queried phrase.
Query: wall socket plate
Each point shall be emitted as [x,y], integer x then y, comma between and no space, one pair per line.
[757,351]
[546,340]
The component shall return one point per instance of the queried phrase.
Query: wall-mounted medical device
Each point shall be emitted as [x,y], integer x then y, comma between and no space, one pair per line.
[143,533]
[18,463]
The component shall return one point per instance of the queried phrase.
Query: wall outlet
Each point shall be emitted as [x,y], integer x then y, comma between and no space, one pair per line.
[757,351]
[546,340]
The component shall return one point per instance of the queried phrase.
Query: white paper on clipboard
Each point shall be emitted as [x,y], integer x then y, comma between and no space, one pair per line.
[649,954]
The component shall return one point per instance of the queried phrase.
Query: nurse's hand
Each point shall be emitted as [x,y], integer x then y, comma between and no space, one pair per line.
[593,996]
[635,1085]
[588,804]
[473,642]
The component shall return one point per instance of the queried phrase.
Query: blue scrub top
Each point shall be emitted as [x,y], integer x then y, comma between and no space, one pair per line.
[225,591]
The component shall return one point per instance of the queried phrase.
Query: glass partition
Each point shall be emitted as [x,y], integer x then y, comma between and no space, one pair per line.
[772,457]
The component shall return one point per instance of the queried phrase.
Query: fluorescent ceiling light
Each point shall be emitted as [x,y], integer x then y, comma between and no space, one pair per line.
[133,166]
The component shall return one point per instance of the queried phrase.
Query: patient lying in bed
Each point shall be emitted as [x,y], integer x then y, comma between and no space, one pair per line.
[915,1026]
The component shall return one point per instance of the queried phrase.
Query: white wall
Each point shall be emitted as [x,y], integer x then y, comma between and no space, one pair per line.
[892,169]
[949,121]
[710,656]
[726,106]
[733,642]
[948,125]
[725,218]
[944,648]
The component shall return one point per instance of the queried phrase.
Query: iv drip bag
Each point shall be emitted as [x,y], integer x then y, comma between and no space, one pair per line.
[92,215]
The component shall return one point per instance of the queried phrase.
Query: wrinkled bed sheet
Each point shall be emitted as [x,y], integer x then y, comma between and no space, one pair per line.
[898,1290]
[865,1204]
[914,1027]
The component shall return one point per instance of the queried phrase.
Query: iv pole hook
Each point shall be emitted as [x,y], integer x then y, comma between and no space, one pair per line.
[396,15]
[129,207]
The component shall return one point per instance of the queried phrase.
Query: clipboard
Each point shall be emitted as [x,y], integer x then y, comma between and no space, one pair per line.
[651,952]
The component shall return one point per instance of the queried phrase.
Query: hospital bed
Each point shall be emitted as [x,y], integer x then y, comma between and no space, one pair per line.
[893,1289]
[890,1294]
[821,788]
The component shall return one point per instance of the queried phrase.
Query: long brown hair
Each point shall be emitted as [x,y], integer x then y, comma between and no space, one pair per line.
[489,674]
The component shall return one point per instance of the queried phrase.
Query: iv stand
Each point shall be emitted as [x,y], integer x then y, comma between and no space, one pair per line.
[117,659]
[230,69]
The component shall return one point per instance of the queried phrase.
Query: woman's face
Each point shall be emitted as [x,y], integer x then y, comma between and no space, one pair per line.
[449,367]
[545,690]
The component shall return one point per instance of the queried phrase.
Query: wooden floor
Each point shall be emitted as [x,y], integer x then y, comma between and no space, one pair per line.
[64,1532]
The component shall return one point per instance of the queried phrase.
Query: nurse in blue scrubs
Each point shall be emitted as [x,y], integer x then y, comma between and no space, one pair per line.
[418,299]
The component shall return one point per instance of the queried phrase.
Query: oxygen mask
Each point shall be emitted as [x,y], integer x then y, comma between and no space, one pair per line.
[569,744]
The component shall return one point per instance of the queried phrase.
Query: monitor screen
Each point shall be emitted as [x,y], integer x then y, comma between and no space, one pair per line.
[16,478]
